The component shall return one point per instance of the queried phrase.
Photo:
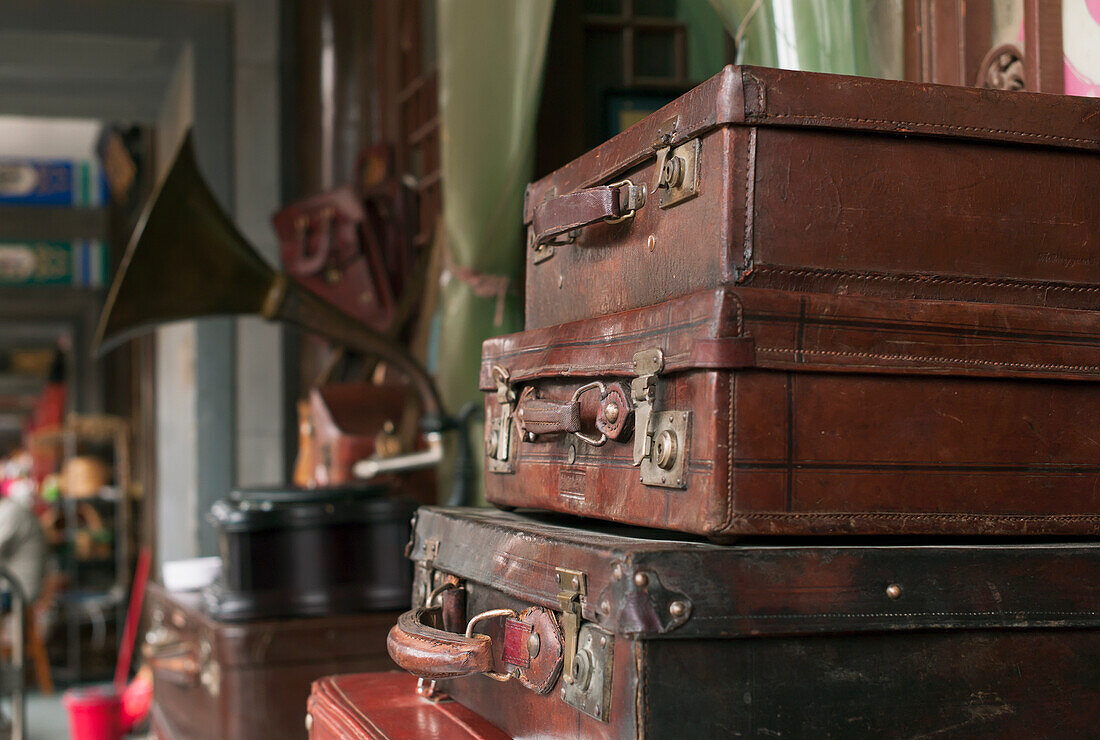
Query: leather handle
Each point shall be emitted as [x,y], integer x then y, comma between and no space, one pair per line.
[576,210]
[541,416]
[537,416]
[306,265]
[427,651]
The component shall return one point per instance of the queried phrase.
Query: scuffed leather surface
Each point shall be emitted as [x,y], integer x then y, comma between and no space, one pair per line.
[849,416]
[1013,618]
[840,184]
[385,706]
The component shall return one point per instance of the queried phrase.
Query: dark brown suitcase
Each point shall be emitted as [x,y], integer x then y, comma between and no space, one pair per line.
[781,179]
[744,411]
[294,552]
[242,680]
[386,706]
[612,634]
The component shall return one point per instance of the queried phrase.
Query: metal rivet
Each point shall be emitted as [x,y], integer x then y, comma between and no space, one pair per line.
[603,641]
[893,591]
[641,580]
[571,455]
[651,242]
[596,711]
[561,281]
[677,608]
[575,582]
[534,644]
[563,693]
[605,607]
[611,412]
[617,572]
[558,576]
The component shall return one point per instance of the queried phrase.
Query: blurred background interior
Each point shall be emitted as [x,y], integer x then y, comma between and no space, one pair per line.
[432,115]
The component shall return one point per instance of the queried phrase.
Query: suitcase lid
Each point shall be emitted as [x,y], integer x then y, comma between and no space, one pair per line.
[259,509]
[731,328]
[269,643]
[638,583]
[764,96]
[387,705]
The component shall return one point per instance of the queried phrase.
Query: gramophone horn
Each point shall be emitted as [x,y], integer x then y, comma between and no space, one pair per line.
[187,260]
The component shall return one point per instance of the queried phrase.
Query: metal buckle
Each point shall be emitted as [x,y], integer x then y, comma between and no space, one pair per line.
[502,677]
[499,439]
[596,384]
[643,391]
[631,212]
[572,588]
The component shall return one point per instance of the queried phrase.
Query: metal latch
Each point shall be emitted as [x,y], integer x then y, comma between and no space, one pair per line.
[677,173]
[660,438]
[572,588]
[500,433]
[643,389]
[589,689]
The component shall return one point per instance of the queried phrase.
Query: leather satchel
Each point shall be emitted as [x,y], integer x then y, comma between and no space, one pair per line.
[325,246]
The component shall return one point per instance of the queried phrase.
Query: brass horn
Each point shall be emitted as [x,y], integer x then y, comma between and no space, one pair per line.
[186,259]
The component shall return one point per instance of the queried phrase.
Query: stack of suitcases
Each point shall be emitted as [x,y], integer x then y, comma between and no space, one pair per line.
[817,358]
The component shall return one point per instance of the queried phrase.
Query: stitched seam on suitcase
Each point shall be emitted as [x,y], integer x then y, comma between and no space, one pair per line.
[641,704]
[928,358]
[731,422]
[921,515]
[750,193]
[904,278]
[859,615]
[928,124]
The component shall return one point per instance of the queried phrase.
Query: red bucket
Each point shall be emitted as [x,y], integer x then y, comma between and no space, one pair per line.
[95,713]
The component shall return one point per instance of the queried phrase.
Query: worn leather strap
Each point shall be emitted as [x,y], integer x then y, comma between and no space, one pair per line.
[564,213]
[429,652]
[540,416]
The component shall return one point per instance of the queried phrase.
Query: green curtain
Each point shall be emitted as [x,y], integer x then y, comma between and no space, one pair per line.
[491,59]
[861,37]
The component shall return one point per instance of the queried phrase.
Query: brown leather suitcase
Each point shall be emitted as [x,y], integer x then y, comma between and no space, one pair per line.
[782,179]
[386,706]
[242,680]
[603,632]
[746,411]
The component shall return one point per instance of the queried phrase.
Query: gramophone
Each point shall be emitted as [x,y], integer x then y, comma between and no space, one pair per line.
[186,260]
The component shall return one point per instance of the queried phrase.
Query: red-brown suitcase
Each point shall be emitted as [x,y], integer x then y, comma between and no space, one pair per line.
[386,706]
[745,411]
[781,179]
[613,634]
[248,680]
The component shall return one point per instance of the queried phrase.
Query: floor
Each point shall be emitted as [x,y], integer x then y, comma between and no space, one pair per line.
[46,718]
